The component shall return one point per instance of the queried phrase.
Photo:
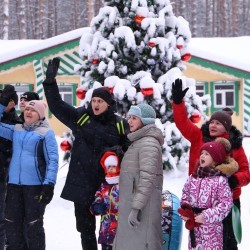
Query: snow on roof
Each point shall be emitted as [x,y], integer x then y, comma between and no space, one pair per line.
[232,51]
[13,49]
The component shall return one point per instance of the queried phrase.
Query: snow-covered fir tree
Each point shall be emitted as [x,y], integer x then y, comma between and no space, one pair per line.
[136,48]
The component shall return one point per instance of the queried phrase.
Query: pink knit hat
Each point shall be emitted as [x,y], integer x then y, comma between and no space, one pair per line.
[39,106]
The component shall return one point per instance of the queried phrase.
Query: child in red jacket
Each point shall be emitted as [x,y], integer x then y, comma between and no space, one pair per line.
[106,200]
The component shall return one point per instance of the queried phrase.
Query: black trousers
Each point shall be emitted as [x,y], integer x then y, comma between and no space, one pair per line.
[229,241]
[86,225]
[23,208]
[3,188]
[106,247]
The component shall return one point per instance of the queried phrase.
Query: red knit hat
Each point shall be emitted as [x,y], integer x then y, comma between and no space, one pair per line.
[108,159]
[218,149]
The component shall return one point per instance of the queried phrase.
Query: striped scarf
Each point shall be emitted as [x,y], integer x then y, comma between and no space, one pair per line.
[203,172]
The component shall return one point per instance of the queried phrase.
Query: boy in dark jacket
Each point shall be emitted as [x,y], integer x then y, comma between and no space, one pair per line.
[24,99]
[10,117]
[94,128]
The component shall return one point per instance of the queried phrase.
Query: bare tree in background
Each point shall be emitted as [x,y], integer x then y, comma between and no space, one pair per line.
[30,17]
[5,19]
[193,18]
[41,33]
[98,5]
[36,6]
[21,19]
[245,10]
[91,10]
[51,19]
[40,19]
[209,18]
[235,9]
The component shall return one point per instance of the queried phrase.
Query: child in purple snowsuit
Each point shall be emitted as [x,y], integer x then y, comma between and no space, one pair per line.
[106,200]
[206,197]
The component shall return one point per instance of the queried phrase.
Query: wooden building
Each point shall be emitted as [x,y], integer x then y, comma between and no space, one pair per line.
[24,66]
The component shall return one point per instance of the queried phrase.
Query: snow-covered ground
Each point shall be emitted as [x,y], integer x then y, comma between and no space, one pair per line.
[60,228]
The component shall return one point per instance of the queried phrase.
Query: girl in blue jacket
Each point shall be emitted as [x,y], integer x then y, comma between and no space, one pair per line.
[32,175]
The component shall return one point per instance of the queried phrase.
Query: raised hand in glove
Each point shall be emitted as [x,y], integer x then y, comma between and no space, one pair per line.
[8,94]
[52,70]
[46,194]
[177,92]
[233,182]
[133,218]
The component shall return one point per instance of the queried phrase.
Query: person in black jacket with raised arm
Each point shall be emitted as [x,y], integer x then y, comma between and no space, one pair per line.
[95,128]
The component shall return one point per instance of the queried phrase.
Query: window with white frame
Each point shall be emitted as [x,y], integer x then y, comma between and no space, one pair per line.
[224,94]
[66,92]
[200,89]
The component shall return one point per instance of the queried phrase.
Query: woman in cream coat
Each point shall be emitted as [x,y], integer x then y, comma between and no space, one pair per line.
[141,178]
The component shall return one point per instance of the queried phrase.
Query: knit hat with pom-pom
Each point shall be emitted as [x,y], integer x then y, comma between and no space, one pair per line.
[224,117]
[218,149]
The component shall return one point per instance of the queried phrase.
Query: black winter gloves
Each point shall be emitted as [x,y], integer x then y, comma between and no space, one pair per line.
[177,92]
[233,182]
[52,70]
[8,94]
[46,194]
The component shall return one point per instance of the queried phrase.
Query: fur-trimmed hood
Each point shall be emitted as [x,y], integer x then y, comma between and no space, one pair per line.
[235,136]
[229,167]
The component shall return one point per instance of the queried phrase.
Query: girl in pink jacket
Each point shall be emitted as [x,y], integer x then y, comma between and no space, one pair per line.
[206,197]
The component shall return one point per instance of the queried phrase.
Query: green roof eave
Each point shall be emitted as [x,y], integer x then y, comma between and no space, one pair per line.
[38,55]
[220,67]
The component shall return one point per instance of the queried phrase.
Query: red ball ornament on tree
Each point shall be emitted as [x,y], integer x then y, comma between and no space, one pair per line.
[151,44]
[195,117]
[139,18]
[147,91]
[179,46]
[65,145]
[95,61]
[80,93]
[111,89]
[186,57]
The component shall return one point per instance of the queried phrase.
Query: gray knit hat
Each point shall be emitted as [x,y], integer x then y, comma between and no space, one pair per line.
[145,112]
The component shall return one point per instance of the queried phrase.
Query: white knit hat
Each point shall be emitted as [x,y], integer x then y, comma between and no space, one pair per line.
[111,160]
